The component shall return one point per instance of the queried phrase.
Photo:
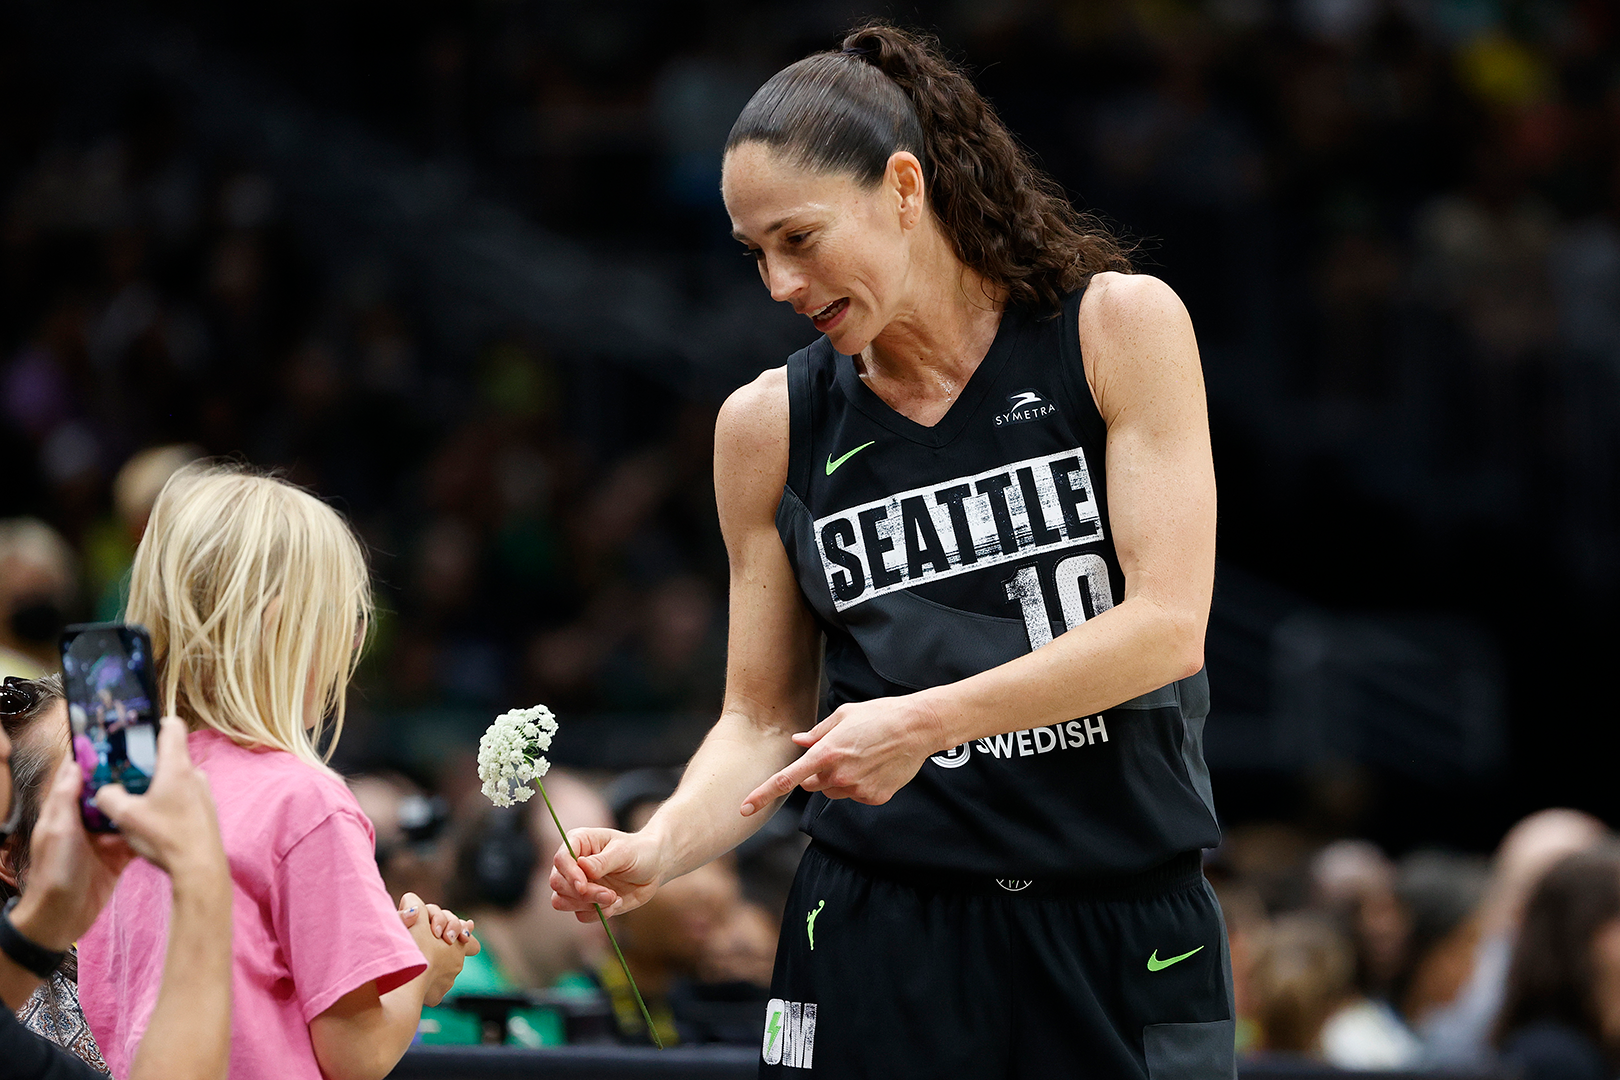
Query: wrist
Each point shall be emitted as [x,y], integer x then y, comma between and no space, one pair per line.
[199,877]
[931,722]
[665,852]
[42,922]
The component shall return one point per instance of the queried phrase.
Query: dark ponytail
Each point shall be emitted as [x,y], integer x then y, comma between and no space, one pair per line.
[888,90]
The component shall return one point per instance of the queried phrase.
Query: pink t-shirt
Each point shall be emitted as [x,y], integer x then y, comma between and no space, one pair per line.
[311,918]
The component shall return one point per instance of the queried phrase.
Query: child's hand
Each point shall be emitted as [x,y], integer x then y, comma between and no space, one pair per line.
[443,922]
[444,954]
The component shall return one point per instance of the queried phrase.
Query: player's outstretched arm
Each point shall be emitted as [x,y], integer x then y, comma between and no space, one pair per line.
[773,674]
[1142,363]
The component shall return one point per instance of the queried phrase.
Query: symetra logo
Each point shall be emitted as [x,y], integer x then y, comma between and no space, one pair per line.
[790,1033]
[1024,406]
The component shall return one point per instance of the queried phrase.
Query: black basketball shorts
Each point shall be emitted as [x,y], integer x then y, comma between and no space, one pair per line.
[899,975]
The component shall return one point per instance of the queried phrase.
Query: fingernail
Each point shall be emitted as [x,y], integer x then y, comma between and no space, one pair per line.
[410,911]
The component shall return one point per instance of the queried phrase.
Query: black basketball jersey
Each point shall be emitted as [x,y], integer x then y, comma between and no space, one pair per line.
[929,554]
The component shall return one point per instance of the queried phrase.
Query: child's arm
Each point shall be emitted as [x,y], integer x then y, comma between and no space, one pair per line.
[363,1034]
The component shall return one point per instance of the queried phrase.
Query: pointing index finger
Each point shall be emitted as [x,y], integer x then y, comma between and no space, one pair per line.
[782,783]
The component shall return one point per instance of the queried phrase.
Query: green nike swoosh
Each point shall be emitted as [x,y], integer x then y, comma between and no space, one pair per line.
[832,465]
[1155,964]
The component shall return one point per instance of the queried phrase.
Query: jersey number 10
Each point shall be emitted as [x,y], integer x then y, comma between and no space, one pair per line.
[1025,587]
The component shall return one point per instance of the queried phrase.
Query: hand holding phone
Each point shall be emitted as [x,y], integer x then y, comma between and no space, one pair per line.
[112,705]
[71,873]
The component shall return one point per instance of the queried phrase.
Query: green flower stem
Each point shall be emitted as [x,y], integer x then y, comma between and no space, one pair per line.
[645,1015]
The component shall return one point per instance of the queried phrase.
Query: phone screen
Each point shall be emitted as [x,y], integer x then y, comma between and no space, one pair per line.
[107,675]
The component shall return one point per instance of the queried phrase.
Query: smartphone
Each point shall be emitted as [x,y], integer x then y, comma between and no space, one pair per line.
[112,705]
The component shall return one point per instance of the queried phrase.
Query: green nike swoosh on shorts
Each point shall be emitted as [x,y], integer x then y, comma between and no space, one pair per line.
[831,464]
[1155,964]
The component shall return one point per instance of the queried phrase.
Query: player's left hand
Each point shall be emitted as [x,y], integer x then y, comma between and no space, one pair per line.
[866,751]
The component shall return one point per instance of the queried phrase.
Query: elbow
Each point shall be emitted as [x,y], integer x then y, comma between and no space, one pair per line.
[1184,645]
[1189,662]
[361,1059]
[353,1068]
[1167,639]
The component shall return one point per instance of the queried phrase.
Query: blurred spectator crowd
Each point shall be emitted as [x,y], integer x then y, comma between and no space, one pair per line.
[1435,961]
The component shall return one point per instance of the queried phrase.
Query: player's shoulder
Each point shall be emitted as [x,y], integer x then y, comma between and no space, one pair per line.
[754,418]
[1118,304]
[751,452]
[1135,340]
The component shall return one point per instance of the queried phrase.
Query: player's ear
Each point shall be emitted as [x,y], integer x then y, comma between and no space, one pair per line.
[904,179]
[8,860]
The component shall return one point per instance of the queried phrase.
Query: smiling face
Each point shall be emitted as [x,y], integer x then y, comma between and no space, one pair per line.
[842,253]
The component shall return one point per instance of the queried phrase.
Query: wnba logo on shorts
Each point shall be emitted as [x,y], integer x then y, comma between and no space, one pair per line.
[790,1033]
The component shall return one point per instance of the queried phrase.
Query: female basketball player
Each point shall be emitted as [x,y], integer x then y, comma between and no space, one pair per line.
[983,503]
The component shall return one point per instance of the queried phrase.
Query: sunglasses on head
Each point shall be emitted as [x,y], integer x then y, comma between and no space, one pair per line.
[17,696]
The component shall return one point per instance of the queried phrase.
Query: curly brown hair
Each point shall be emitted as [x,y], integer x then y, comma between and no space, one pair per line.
[888,90]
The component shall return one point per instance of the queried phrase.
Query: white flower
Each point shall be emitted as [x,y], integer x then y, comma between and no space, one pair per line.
[510,754]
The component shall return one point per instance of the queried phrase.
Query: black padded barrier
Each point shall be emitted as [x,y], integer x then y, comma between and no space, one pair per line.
[578,1063]
[736,1063]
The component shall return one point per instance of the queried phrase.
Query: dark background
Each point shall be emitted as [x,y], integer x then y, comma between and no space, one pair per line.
[463,269]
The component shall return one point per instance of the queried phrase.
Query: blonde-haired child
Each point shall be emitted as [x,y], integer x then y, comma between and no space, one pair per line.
[257,597]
